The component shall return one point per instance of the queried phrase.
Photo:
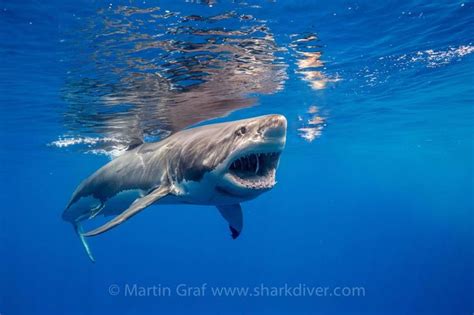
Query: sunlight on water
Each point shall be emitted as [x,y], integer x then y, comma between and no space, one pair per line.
[309,62]
[140,73]
[313,124]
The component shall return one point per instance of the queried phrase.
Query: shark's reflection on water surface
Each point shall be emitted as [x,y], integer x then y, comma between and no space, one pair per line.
[145,73]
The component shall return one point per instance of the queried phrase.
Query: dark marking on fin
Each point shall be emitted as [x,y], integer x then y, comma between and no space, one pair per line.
[233,215]
[234,232]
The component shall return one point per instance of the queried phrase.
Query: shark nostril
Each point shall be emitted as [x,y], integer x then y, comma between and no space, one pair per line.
[279,121]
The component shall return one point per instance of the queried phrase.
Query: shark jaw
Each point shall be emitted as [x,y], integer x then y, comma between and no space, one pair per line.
[252,169]
[255,170]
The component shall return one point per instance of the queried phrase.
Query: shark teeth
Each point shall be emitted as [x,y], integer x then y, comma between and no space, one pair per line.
[253,161]
[265,183]
[258,163]
[255,170]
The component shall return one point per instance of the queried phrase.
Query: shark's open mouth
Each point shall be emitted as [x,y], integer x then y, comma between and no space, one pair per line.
[255,170]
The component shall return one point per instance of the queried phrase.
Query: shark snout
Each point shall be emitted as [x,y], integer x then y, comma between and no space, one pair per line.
[275,126]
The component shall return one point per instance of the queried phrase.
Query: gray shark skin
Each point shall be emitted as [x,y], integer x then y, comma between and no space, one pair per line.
[220,165]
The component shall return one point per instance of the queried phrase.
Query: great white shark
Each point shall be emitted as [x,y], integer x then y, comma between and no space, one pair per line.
[220,165]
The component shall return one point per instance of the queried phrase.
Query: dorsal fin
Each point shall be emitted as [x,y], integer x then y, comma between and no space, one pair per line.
[135,143]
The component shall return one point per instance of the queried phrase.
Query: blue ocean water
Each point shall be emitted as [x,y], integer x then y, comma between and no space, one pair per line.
[375,186]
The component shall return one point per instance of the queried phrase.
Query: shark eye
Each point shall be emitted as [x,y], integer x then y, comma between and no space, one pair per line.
[241,131]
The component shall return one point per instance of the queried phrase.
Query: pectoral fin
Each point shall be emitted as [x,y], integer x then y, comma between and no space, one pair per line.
[78,229]
[137,206]
[233,215]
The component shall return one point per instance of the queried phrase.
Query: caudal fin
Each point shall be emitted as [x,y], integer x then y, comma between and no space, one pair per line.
[78,229]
